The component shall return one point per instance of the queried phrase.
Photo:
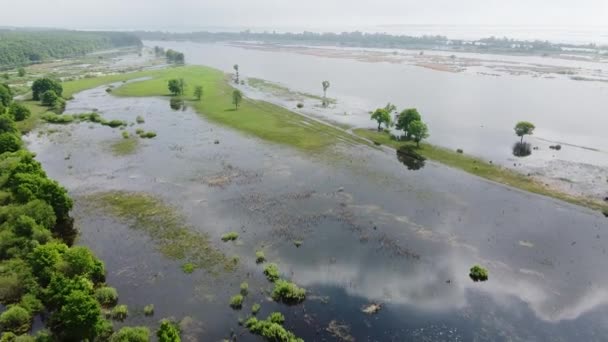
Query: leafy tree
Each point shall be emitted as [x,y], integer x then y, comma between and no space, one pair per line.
[42,85]
[168,332]
[48,98]
[7,125]
[175,57]
[236,69]
[78,317]
[16,320]
[9,142]
[382,117]
[6,95]
[32,186]
[2,109]
[406,117]
[418,131]
[237,98]
[44,261]
[176,87]
[524,128]
[131,334]
[198,92]
[21,72]
[390,107]
[18,111]
[80,260]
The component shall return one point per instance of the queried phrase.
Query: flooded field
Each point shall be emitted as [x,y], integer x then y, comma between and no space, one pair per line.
[473,108]
[383,251]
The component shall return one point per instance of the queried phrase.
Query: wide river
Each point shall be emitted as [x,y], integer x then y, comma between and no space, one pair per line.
[469,110]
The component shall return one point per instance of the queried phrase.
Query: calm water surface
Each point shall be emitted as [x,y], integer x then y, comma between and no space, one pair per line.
[372,232]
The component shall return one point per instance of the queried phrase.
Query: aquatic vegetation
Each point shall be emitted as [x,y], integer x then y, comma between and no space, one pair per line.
[139,131]
[255,308]
[244,288]
[120,312]
[236,302]
[140,119]
[288,292]
[147,135]
[58,119]
[260,257]
[168,331]
[106,296]
[188,267]
[231,236]
[174,238]
[522,149]
[478,273]
[297,243]
[125,134]
[131,334]
[149,310]
[300,105]
[124,146]
[271,271]
[114,123]
[270,329]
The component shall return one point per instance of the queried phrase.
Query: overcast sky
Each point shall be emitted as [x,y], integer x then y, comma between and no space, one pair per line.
[297,14]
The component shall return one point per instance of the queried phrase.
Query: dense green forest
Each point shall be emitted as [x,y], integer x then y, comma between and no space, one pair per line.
[19,47]
[372,40]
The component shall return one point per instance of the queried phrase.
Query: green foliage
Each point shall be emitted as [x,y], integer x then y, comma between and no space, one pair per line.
[382,116]
[7,125]
[478,273]
[60,288]
[80,261]
[48,98]
[18,111]
[58,119]
[237,98]
[147,135]
[115,123]
[31,303]
[106,296]
[418,131]
[524,128]
[149,310]
[176,87]
[21,72]
[231,236]
[168,331]
[260,257]
[288,292]
[406,117]
[120,312]
[255,308]
[78,316]
[236,302]
[140,119]
[16,320]
[175,57]
[45,259]
[9,142]
[198,92]
[42,85]
[125,135]
[271,330]
[188,267]
[6,96]
[244,288]
[103,330]
[272,272]
[131,334]
[276,317]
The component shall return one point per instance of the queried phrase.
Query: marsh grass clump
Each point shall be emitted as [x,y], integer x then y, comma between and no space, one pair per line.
[255,308]
[58,119]
[147,135]
[260,257]
[270,329]
[125,134]
[288,292]
[139,131]
[244,288]
[236,302]
[478,273]
[140,119]
[271,271]
[106,296]
[173,237]
[120,312]
[188,267]
[149,310]
[300,105]
[114,123]
[125,146]
[231,236]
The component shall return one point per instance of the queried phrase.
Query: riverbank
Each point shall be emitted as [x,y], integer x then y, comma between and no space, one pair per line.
[482,168]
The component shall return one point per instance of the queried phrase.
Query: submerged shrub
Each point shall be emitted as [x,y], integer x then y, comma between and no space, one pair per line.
[16,320]
[106,296]
[140,119]
[300,105]
[230,236]
[478,273]
[288,292]
[522,149]
[58,119]
[188,267]
[120,312]
[244,288]
[149,310]
[236,302]
[260,257]
[114,123]
[147,135]
[255,308]
[271,331]
[131,334]
[168,331]
[272,272]
[125,134]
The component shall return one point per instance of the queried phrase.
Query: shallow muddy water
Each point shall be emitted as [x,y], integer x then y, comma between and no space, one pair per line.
[371,230]
[465,110]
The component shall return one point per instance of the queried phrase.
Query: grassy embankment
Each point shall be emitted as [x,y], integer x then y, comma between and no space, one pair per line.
[482,168]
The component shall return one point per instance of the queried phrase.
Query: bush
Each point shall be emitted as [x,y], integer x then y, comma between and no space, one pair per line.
[7,124]
[255,308]
[168,331]
[276,317]
[522,149]
[131,334]
[42,85]
[140,119]
[272,272]
[244,288]
[300,105]
[115,123]
[58,119]
[149,310]
[125,134]
[31,303]
[236,302]
[120,312]
[271,331]
[230,236]
[9,142]
[139,131]
[188,267]
[48,98]
[77,318]
[18,111]
[288,292]
[147,135]
[16,320]
[103,330]
[106,296]
[478,273]
[260,257]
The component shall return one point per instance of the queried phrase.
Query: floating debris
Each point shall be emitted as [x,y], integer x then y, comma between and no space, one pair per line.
[372,308]
[340,331]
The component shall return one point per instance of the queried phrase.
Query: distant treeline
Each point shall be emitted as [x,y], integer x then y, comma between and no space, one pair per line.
[20,47]
[372,40]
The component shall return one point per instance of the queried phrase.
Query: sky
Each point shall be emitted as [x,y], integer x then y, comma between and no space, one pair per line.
[297,14]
